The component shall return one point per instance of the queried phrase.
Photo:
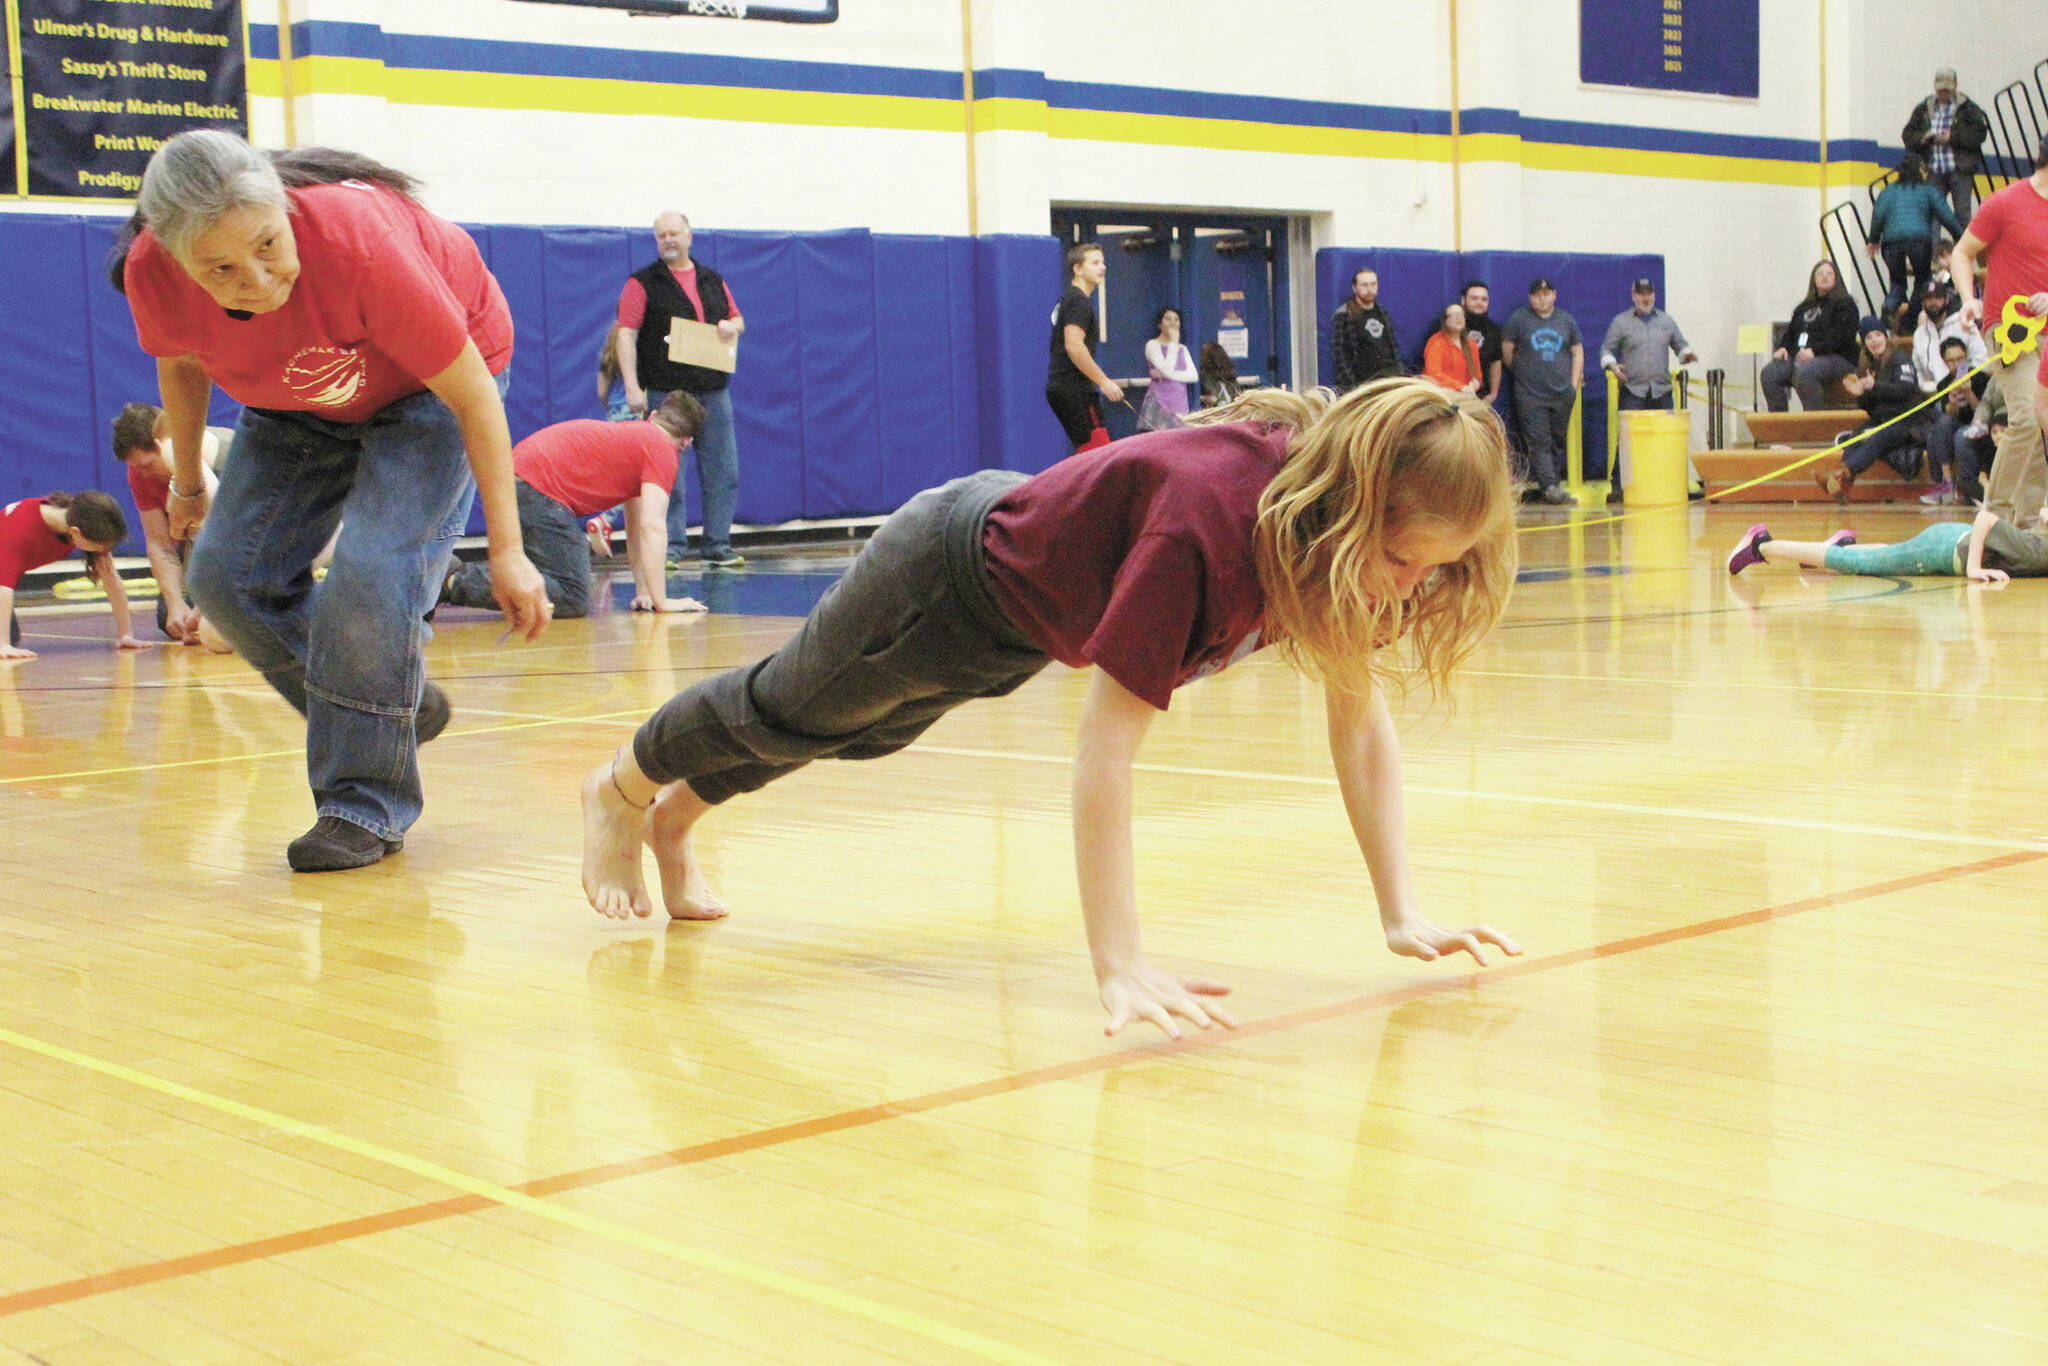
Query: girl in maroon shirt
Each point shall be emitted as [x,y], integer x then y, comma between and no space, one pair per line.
[1331,529]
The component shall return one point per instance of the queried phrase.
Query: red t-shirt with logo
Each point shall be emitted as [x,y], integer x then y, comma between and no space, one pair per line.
[386,296]
[26,543]
[589,465]
[2013,225]
[1136,557]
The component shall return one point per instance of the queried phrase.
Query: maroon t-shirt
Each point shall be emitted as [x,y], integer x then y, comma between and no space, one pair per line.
[1137,557]
[26,542]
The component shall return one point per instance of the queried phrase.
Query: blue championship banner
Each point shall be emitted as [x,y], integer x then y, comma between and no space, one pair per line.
[104,82]
[1707,47]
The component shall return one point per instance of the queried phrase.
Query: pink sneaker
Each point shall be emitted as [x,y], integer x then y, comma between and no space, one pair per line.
[599,530]
[1842,537]
[1746,552]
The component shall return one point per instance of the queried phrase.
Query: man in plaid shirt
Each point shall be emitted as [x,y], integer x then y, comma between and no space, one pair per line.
[1948,129]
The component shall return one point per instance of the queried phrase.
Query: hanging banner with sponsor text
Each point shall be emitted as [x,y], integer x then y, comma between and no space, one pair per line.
[1706,47]
[104,82]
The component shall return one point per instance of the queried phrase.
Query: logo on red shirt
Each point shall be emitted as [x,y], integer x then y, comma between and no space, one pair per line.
[331,376]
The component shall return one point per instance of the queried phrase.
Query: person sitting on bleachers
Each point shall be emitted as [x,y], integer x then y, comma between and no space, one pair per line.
[1957,407]
[1940,322]
[1819,345]
[1885,389]
[1977,446]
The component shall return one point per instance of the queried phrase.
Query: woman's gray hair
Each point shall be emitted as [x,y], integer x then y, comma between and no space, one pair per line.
[199,177]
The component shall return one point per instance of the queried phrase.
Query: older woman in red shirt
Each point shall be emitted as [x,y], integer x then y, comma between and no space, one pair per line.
[368,344]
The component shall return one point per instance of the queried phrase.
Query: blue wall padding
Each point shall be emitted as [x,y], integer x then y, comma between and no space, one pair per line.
[1415,285]
[1017,283]
[874,365]
[838,398]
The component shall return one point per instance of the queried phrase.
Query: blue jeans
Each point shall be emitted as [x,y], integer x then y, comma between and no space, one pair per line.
[718,474]
[556,545]
[349,653]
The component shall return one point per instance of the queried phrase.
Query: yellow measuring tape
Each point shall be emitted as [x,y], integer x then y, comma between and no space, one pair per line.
[2017,334]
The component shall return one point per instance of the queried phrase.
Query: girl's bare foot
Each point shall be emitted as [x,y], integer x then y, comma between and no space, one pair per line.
[612,831]
[683,889]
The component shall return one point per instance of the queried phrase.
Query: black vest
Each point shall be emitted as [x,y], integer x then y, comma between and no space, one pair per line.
[665,300]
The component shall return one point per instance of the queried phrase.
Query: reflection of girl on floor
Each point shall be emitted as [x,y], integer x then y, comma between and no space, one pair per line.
[1988,550]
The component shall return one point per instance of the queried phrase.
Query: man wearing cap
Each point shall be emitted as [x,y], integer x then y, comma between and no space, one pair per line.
[1636,348]
[1948,128]
[1939,323]
[2013,226]
[1541,347]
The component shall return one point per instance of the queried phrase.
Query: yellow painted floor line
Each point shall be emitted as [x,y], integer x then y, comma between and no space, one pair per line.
[874,1311]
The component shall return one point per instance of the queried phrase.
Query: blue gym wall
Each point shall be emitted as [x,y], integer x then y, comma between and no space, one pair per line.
[874,365]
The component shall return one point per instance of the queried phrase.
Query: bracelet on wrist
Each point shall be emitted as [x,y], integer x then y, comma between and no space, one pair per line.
[177,492]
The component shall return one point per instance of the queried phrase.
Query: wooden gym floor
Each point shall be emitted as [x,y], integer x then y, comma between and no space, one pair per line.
[1768,1086]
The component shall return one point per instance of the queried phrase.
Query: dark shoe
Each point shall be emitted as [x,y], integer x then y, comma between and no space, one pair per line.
[334,844]
[1556,496]
[724,559]
[1614,493]
[432,717]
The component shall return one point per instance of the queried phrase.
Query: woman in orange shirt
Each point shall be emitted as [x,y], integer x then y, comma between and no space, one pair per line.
[1451,357]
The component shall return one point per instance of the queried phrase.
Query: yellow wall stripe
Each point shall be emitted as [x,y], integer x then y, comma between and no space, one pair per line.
[586,95]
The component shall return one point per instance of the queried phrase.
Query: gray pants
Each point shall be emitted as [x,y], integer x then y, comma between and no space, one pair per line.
[911,632]
[1809,377]
[554,542]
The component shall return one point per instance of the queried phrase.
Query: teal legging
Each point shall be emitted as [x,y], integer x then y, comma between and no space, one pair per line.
[1935,551]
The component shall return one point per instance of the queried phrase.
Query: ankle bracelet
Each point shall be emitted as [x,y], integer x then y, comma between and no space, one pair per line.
[637,806]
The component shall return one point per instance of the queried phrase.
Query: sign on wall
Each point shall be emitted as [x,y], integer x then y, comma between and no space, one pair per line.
[784,11]
[1707,47]
[102,86]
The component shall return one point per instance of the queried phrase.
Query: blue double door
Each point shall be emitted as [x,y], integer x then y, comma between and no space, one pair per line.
[1225,274]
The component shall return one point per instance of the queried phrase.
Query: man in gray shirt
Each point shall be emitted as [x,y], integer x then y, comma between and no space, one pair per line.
[1638,345]
[1541,347]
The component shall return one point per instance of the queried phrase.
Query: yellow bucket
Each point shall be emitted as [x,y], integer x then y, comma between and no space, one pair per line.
[1656,456]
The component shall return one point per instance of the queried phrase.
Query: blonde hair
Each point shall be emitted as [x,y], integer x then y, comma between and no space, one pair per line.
[608,361]
[1360,470]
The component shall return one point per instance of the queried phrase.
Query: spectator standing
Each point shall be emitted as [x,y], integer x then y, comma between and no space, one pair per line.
[674,286]
[1820,343]
[1172,370]
[39,531]
[1940,323]
[1638,348]
[368,343]
[1948,129]
[572,469]
[1542,348]
[1362,336]
[1886,388]
[2013,226]
[1451,355]
[1477,300]
[1072,378]
[142,442]
[1902,224]
[1220,384]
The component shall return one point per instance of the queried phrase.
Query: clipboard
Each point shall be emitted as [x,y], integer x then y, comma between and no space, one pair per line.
[694,343]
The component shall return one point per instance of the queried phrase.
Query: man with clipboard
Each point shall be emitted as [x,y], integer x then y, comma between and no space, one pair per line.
[679,330]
